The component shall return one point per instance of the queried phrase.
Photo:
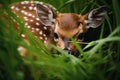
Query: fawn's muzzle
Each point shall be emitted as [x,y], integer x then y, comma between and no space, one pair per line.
[69,51]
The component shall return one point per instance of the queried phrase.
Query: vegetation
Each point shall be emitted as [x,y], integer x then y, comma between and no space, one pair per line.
[99,59]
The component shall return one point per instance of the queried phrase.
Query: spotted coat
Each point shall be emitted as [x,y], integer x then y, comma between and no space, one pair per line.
[27,11]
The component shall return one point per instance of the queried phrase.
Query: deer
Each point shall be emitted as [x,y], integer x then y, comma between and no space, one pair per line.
[49,25]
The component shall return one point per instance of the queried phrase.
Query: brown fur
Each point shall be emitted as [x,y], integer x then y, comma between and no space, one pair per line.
[68,21]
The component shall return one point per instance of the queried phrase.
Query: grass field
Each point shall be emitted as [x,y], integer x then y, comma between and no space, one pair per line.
[99,59]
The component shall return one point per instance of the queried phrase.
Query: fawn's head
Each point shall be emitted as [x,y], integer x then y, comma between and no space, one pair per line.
[70,25]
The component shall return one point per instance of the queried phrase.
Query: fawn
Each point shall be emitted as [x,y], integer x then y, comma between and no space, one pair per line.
[48,25]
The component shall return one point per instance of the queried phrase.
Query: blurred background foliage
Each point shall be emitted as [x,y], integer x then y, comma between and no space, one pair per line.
[100,59]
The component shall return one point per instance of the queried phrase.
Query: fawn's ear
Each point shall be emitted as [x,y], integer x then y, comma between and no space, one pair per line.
[95,17]
[46,14]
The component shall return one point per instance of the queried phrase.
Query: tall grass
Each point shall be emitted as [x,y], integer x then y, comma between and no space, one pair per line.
[100,59]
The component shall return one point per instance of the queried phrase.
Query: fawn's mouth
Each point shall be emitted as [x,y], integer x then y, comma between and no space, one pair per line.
[76,54]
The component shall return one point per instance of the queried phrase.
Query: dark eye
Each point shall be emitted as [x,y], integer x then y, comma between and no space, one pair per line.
[56,36]
[80,36]
[78,23]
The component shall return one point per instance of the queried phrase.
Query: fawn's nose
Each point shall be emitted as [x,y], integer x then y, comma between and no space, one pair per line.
[68,51]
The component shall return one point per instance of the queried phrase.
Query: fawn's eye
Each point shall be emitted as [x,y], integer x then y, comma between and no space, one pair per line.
[56,36]
[80,36]
[78,24]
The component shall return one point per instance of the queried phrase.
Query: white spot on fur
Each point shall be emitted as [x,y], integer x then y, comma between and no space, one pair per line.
[33,28]
[45,38]
[22,2]
[41,38]
[44,35]
[23,35]
[33,16]
[25,13]
[32,4]
[17,9]
[34,8]
[45,28]
[25,18]
[37,29]
[29,14]
[40,32]
[31,20]
[32,31]
[37,23]
[28,26]
[30,8]
[22,11]
[24,7]
[22,51]
[45,42]
[37,19]
[12,7]
[17,16]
